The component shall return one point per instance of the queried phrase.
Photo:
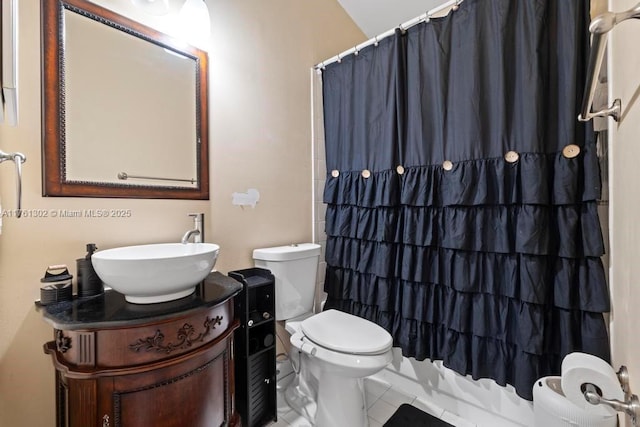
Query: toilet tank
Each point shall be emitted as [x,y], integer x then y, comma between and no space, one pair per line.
[294,268]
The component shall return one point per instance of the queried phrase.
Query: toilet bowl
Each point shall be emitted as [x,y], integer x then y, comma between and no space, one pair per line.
[342,349]
[333,350]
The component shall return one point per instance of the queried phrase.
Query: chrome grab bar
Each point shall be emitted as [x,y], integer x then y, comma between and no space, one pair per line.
[124,176]
[599,27]
[18,159]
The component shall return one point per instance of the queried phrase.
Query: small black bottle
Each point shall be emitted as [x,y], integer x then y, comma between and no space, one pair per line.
[88,281]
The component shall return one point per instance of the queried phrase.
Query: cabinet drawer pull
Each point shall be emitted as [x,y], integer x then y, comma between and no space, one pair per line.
[105,421]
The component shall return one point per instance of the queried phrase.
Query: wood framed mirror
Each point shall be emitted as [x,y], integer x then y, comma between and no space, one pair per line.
[125,107]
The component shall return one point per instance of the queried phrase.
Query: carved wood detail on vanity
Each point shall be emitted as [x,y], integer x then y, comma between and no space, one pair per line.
[63,343]
[77,346]
[86,349]
[186,336]
[123,347]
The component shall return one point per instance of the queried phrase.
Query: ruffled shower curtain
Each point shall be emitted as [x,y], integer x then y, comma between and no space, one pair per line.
[461,190]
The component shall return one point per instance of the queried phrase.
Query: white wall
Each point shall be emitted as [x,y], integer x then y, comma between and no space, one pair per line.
[624,152]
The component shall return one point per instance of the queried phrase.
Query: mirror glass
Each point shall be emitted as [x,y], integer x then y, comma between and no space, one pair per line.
[125,107]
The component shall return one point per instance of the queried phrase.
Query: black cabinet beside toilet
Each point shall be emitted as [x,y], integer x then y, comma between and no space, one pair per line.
[255,347]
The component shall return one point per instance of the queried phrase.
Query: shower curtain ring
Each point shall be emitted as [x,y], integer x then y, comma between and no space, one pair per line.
[355,51]
[376,41]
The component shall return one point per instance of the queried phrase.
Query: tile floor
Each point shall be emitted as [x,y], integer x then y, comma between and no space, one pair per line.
[382,401]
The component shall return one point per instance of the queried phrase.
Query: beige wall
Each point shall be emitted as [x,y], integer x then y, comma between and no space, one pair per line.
[260,138]
[261,121]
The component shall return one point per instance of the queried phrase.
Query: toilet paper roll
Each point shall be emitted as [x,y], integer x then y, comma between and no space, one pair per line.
[579,369]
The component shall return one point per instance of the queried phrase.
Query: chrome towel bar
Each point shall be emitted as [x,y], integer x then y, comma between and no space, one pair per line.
[599,27]
[124,176]
[18,159]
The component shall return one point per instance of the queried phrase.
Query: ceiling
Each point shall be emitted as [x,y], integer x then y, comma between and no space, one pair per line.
[377,16]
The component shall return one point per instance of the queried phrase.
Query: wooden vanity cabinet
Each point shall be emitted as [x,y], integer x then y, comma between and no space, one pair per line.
[173,370]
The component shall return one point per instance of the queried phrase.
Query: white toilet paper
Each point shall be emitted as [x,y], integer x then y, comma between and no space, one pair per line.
[581,368]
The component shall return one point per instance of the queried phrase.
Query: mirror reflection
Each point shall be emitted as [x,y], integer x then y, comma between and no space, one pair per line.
[129,116]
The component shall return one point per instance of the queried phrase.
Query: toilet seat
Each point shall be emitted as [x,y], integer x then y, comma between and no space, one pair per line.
[341,332]
[348,364]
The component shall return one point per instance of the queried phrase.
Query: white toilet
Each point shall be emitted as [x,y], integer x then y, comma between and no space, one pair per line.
[338,349]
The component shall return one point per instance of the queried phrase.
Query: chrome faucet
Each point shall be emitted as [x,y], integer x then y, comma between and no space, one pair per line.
[198,229]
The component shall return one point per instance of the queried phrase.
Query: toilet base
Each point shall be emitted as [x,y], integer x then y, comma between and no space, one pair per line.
[341,402]
[302,392]
[336,401]
[300,402]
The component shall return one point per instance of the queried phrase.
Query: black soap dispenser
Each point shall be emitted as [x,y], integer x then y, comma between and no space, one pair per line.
[89,283]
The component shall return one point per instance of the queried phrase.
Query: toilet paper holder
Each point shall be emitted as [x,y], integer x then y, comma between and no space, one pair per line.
[631,404]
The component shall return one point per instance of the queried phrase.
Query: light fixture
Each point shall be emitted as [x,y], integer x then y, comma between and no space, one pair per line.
[194,23]
[152,7]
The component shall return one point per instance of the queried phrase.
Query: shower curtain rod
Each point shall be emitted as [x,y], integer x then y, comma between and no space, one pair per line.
[425,17]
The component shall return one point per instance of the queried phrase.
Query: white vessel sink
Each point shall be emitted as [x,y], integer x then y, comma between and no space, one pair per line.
[154,273]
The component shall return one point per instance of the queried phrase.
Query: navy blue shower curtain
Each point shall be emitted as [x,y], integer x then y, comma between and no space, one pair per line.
[461,190]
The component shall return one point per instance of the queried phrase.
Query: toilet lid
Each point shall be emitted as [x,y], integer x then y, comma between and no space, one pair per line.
[339,331]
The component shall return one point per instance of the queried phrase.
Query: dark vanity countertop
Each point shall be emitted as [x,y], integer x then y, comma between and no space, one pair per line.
[112,310]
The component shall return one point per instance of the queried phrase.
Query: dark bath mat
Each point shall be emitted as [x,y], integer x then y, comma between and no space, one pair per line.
[408,415]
